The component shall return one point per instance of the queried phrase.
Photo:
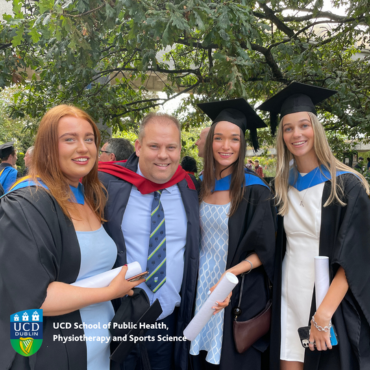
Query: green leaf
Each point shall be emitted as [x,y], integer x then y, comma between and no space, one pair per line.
[34,35]
[17,40]
[199,21]
[46,19]
[17,6]
[224,35]
[110,12]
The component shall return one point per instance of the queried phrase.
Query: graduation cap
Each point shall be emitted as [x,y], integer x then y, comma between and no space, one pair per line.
[236,111]
[297,97]
[6,149]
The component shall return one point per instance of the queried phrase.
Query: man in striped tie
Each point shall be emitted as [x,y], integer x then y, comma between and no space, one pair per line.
[153,216]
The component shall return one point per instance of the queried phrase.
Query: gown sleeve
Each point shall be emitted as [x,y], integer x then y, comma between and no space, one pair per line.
[28,257]
[352,250]
[260,236]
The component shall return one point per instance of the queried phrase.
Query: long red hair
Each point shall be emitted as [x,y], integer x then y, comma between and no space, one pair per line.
[45,161]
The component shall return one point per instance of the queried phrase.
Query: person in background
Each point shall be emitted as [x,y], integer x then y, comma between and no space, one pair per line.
[8,174]
[202,141]
[51,236]
[360,164]
[153,216]
[189,164]
[249,164]
[368,164]
[116,150]
[28,160]
[258,168]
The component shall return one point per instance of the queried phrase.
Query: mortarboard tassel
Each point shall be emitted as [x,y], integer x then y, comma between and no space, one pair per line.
[254,138]
[273,122]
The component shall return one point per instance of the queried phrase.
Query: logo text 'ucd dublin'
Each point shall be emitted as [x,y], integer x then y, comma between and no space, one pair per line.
[26,331]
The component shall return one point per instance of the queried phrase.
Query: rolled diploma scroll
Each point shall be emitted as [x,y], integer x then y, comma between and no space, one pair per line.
[223,289]
[104,279]
[322,281]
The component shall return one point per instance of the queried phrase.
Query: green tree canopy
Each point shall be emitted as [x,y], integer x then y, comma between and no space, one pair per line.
[210,49]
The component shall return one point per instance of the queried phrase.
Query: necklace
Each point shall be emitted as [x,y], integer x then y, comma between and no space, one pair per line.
[302,204]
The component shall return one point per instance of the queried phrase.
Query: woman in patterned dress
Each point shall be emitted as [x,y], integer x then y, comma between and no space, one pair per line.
[237,235]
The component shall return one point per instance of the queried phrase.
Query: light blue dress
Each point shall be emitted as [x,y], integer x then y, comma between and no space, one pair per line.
[213,257]
[98,254]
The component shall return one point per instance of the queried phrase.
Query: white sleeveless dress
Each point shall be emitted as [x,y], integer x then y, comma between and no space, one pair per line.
[302,227]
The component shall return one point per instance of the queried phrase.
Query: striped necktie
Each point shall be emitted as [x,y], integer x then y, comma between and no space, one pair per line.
[156,264]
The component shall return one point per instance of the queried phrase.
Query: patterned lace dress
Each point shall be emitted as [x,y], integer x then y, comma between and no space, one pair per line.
[213,257]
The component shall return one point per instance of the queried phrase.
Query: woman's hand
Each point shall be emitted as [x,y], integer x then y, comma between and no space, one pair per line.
[320,339]
[220,305]
[119,286]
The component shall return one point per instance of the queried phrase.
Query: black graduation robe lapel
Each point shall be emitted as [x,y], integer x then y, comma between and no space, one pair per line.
[38,245]
[251,230]
[118,196]
[344,238]
[191,260]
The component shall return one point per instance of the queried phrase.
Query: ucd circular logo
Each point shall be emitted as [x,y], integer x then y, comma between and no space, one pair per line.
[26,331]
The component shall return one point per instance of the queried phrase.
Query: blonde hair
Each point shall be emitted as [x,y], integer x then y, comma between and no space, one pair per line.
[325,158]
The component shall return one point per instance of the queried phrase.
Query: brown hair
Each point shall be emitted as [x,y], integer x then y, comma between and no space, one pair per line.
[237,177]
[46,166]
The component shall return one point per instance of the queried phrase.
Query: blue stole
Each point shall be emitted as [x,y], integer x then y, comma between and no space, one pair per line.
[77,192]
[8,175]
[224,183]
[313,178]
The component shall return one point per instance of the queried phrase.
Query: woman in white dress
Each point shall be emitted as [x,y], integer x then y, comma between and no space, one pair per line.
[326,212]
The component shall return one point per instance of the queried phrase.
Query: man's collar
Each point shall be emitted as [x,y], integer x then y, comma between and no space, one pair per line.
[5,164]
[141,174]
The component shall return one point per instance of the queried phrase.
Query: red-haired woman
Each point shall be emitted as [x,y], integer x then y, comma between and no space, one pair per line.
[51,236]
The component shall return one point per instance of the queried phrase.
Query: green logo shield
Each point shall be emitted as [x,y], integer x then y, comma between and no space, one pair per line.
[26,331]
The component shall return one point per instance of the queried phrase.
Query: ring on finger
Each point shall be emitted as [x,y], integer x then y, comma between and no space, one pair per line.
[313,343]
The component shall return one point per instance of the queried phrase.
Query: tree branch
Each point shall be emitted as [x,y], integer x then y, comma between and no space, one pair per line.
[83,14]
[329,15]
[154,105]
[5,46]
[279,24]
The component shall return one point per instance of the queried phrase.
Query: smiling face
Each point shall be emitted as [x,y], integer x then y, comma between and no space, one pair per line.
[225,145]
[298,135]
[77,149]
[159,150]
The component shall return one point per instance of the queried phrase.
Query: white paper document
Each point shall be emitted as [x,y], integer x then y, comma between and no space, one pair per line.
[223,289]
[104,279]
[322,280]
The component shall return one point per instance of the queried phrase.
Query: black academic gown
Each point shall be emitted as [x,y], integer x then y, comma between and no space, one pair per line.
[251,230]
[118,195]
[38,245]
[344,238]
